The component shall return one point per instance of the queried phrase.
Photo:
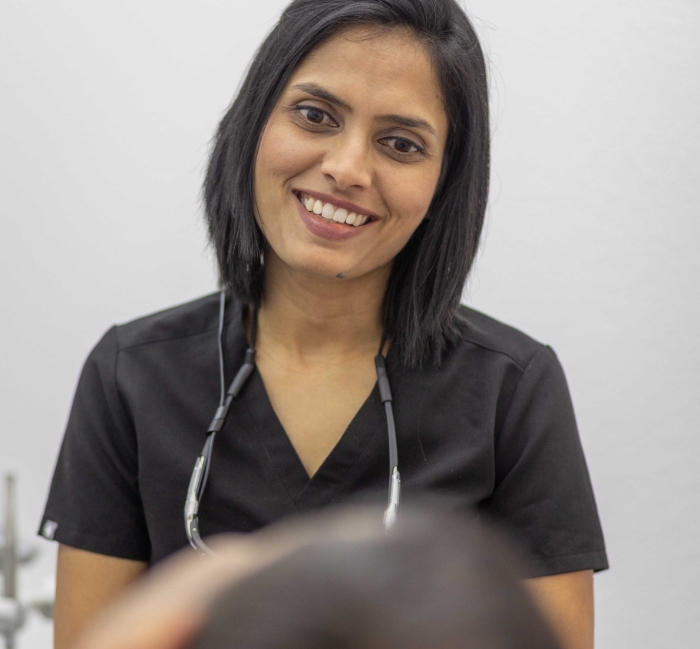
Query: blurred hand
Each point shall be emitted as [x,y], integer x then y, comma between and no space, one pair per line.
[167,606]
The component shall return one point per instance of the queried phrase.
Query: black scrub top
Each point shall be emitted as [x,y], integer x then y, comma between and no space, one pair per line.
[492,428]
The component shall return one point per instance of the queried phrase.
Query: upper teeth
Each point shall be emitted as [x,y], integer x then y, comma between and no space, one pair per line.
[330,212]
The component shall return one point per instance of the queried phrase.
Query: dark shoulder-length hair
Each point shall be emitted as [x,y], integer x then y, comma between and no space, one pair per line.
[428,275]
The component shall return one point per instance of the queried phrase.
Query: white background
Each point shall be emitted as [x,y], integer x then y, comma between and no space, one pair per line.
[106,114]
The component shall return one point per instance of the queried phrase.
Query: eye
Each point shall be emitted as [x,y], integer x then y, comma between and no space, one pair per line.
[316,116]
[401,145]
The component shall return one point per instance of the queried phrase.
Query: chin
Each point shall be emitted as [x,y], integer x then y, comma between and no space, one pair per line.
[323,268]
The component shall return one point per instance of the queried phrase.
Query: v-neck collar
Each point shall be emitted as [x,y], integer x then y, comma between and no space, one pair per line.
[310,492]
[344,460]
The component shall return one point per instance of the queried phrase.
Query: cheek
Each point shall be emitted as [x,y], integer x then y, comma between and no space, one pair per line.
[275,163]
[281,156]
[409,196]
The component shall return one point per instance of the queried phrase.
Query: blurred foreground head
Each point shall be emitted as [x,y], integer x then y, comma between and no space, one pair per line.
[433,582]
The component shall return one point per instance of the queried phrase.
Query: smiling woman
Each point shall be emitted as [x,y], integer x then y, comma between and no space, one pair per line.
[345,198]
[417,74]
[333,137]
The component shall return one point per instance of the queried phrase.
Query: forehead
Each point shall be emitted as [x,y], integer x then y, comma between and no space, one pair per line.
[373,68]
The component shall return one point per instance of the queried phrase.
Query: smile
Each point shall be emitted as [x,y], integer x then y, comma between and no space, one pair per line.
[329,212]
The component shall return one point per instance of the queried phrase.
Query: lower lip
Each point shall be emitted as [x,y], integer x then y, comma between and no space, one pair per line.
[328,229]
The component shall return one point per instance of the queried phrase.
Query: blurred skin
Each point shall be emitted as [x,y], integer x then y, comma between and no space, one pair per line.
[85,583]
[317,334]
[168,605]
[165,608]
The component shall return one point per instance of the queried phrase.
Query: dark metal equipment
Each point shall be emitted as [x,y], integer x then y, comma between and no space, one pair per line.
[13,612]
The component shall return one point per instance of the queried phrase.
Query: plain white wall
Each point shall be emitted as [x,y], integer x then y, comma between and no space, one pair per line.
[106,112]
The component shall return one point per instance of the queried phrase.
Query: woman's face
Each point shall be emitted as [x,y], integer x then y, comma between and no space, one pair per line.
[360,129]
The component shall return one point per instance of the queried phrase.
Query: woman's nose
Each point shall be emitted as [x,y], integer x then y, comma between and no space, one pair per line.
[348,161]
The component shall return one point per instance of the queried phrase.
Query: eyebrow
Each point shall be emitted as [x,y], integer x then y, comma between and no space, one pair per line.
[410,122]
[400,120]
[322,93]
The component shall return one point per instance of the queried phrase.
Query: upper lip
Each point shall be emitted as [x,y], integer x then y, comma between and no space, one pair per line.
[338,202]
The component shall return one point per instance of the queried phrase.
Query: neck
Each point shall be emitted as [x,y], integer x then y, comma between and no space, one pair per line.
[308,318]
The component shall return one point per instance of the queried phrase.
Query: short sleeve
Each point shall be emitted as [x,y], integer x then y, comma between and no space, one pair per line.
[94,502]
[543,495]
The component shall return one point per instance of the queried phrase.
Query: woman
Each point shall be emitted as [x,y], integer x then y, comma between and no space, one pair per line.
[345,196]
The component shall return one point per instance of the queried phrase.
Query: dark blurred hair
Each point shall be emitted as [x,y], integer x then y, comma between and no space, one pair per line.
[428,275]
[433,582]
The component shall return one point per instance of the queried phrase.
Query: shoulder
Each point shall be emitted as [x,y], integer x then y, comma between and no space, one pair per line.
[193,318]
[498,339]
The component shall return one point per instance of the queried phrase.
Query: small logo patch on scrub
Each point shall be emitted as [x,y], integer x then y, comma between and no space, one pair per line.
[48,529]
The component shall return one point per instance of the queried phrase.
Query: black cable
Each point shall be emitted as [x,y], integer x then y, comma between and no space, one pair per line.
[206,453]
[253,328]
[381,344]
[227,396]
[391,430]
[386,397]
[222,309]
